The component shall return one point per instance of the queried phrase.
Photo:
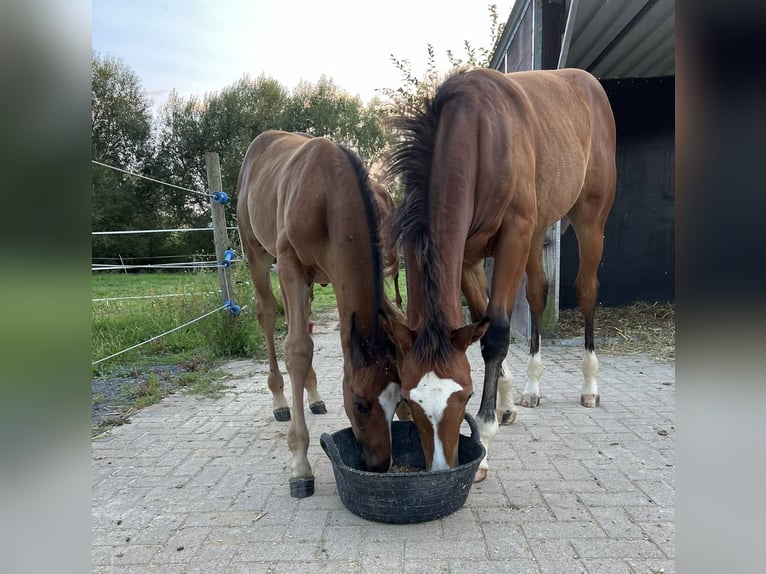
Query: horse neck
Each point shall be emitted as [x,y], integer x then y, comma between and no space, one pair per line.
[355,287]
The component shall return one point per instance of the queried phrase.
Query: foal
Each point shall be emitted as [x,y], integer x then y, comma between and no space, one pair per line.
[307,201]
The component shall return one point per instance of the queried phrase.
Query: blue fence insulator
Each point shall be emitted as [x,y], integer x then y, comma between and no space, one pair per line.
[232,307]
[220,197]
[228,258]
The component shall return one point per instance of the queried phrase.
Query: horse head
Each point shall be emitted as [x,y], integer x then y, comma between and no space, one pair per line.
[436,390]
[371,393]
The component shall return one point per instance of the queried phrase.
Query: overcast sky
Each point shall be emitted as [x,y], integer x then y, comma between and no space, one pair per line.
[199,46]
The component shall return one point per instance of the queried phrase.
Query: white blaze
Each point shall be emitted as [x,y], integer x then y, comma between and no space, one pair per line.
[432,394]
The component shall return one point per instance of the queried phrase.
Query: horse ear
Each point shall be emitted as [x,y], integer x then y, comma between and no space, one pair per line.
[463,337]
[396,327]
[360,354]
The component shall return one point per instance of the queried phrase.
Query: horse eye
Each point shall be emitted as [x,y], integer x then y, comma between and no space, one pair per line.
[361,407]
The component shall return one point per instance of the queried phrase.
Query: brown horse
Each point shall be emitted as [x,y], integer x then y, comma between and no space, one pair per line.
[307,201]
[487,166]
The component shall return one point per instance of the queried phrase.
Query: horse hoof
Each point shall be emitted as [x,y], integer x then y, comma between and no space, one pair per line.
[530,401]
[590,400]
[318,408]
[480,475]
[508,417]
[301,487]
[282,414]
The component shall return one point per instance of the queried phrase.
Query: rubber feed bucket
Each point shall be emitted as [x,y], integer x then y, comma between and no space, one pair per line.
[402,497]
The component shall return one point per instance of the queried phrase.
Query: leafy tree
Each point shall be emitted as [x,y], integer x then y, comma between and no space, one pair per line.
[224,122]
[409,95]
[120,137]
[324,109]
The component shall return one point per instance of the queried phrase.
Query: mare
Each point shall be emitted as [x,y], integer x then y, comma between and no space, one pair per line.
[487,165]
[307,201]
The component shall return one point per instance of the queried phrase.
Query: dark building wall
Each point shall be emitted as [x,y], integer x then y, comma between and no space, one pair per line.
[520,53]
[639,245]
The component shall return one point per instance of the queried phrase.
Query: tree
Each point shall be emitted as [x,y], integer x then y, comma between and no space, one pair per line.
[174,150]
[224,122]
[120,137]
[413,90]
[324,109]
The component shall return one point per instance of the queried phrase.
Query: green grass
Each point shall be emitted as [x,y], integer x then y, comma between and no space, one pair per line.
[118,324]
[324,297]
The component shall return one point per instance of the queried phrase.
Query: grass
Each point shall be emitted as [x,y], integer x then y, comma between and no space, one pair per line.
[129,309]
[118,324]
[190,353]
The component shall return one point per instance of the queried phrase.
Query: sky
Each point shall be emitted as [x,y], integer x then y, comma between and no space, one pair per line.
[201,46]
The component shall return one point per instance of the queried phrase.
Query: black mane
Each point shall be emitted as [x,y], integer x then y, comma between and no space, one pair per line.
[371,213]
[411,160]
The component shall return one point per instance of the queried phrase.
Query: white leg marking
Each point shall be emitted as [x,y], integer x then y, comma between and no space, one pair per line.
[432,394]
[534,372]
[279,402]
[589,372]
[505,390]
[298,442]
[313,396]
[487,431]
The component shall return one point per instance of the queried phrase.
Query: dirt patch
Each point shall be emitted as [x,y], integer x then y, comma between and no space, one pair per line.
[113,396]
[121,393]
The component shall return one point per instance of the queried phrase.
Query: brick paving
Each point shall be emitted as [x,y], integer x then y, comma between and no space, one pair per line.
[197,485]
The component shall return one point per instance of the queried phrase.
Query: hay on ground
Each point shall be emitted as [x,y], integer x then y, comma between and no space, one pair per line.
[638,329]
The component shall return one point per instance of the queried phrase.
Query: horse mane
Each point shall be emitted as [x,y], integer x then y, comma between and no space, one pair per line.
[411,160]
[372,216]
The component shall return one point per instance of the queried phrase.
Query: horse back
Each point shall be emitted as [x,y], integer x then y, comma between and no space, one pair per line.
[260,179]
[538,135]
[301,193]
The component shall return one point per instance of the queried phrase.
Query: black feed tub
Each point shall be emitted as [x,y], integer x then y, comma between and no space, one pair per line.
[402,497]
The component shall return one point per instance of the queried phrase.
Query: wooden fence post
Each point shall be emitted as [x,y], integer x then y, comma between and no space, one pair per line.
[220,233]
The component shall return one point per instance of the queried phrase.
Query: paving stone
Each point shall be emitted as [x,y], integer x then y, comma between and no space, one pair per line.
[569,489]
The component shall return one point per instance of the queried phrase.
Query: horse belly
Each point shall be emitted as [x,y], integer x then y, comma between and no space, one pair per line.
[262,209]
[304,227]
[559,189]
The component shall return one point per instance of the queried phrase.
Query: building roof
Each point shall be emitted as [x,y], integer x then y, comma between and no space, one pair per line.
[610,38]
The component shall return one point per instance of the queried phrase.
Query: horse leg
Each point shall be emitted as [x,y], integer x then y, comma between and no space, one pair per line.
[299,351]
[474,287]
[316,404]
[591,243]
[259,263]
[511,251]
[537,294]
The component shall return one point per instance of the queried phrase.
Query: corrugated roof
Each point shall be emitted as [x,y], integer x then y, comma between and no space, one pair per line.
[612,38]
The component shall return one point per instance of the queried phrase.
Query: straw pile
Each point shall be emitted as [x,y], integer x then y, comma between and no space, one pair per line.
[639,329]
